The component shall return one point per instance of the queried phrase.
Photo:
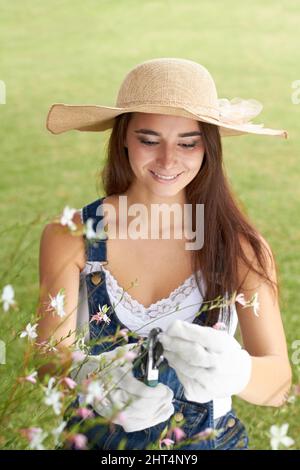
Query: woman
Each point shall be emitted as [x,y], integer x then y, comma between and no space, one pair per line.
[165,148]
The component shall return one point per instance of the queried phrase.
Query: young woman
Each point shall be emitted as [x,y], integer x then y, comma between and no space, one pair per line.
[165,150]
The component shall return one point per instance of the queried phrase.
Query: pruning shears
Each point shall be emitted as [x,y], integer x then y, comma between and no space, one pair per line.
[150,358]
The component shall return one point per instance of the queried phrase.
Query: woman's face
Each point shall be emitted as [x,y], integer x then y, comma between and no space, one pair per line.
[157,148]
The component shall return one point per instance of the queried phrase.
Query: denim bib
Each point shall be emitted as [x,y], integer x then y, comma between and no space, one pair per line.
[197,416]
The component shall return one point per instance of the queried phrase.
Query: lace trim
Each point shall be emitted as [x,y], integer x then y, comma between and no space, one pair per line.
[162,306]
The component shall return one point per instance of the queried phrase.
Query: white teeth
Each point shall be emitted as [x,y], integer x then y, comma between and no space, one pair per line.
[165,177]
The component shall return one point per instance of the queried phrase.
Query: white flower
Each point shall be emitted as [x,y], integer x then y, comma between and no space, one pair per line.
[58,303]
[36,437]
[255,304]
[29,331]
[279,436]
[8,297]
[50,383]
[48,346]
[291,399]
[52,397]
[101,315]
[57,431]
[95,392]
[89,231]
[66,218]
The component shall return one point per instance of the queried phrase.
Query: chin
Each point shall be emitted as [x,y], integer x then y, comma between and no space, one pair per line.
[166,191]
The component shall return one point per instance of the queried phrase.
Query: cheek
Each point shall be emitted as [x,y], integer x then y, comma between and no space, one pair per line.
[139,156]
[139,159]
[193,163]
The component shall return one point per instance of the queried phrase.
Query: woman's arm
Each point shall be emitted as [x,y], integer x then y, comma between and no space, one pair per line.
[60,262]
[263,337]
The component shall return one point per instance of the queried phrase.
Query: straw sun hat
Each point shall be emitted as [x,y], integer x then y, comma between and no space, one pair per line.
[172,86]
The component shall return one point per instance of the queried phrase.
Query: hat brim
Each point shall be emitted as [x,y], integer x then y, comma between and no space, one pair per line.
[92,118]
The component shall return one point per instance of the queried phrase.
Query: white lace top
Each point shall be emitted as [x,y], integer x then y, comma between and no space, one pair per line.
[183,302]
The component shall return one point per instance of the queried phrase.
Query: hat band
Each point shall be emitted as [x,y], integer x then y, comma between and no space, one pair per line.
[208,111]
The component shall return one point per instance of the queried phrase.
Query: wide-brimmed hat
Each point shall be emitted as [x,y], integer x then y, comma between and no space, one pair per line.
[172,86]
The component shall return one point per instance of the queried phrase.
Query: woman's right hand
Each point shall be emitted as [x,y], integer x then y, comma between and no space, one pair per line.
[142,406]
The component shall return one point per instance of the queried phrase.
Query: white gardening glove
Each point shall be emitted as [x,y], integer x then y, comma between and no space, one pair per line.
[209,363]
[147,406]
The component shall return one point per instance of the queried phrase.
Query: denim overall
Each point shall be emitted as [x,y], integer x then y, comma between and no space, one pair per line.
[197,416]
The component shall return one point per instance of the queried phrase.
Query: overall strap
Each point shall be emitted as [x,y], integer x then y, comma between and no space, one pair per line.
[95,248]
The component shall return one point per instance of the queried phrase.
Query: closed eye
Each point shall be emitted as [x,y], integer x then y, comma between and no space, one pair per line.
[151,142]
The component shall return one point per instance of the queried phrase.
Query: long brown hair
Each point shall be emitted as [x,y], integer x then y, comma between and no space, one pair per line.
[225,222]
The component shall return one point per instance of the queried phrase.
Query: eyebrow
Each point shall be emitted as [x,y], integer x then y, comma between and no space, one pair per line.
[150,132]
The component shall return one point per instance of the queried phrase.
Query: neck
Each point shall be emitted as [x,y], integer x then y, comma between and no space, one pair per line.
[136,195]
[150,203]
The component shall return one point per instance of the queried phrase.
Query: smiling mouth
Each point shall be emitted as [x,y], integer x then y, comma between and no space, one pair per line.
[165,177]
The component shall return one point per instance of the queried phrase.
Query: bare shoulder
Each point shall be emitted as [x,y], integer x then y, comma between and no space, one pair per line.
[59,240]
[61,258]
[263,332]
[244,272]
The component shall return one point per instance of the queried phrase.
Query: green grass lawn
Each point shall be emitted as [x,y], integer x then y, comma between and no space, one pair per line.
[78,53]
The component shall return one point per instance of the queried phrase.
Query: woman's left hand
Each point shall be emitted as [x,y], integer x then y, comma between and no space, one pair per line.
[209,363]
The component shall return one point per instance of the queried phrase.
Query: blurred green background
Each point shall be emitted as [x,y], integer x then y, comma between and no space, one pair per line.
[78,53]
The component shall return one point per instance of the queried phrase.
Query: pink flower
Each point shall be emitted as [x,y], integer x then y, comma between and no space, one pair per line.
[78,356]
[253,302]
[240,298]
[179,434]
[31,378]
[35,437]
[99,316]
[69,382]
[29,433]
[79,441]
[85,413]
[167,442]
[204,434]
[124,333]
[296,389]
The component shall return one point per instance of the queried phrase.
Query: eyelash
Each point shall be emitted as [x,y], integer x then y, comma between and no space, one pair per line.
[150,142]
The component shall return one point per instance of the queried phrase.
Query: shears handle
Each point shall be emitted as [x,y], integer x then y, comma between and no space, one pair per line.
[150,358]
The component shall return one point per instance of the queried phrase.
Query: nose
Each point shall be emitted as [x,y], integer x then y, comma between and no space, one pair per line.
[167,157]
